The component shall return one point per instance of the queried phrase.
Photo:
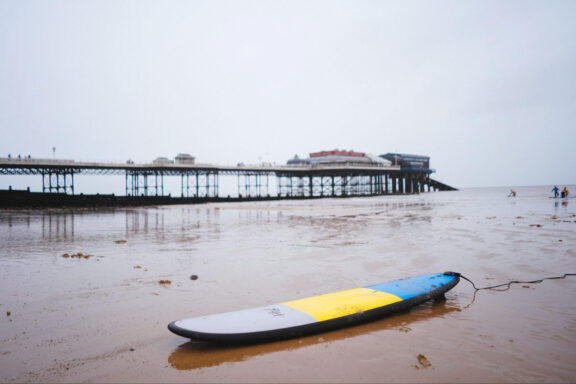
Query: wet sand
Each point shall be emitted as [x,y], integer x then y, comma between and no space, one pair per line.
[103,318]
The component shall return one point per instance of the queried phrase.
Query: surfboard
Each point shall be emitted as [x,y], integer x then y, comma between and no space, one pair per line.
[317,313]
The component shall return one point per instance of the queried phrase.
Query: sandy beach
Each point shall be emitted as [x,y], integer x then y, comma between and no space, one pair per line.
[87,294]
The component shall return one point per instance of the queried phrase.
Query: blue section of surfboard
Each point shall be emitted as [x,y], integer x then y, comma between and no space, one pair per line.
[317,313]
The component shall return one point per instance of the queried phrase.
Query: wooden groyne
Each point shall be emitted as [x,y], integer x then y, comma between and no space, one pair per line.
[27,199]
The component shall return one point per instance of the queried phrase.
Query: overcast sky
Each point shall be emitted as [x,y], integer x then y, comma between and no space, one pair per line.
[486,88]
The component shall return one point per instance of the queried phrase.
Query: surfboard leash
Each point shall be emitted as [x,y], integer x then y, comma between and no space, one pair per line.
[508,284]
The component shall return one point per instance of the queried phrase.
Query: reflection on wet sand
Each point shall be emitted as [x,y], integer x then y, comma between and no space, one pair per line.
[199,354]
[57,226]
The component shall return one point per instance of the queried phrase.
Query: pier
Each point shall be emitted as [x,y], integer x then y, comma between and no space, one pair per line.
[144,183]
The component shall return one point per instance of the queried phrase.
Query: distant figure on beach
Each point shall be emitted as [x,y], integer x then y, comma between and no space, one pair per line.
[512,193]
[555,190]
[564,193]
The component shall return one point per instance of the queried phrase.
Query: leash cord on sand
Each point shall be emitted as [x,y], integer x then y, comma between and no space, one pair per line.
[508,284]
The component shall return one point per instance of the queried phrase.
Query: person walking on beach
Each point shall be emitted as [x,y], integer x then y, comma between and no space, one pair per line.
[512,193]
[564,192]
[555,190]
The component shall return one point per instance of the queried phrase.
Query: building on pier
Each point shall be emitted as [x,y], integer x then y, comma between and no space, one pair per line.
[412,162]
[181,158]
[338,157]
[162,160]
[298,162]
[184,158]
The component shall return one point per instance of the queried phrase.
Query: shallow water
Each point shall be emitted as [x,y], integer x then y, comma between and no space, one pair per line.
[103,317]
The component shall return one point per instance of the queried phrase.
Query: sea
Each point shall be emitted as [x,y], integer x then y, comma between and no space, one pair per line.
[87,294]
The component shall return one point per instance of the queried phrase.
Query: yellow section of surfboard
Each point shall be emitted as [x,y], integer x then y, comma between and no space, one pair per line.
[343,303]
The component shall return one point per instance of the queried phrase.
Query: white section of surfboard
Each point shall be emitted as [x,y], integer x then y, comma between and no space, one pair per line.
[260,319]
